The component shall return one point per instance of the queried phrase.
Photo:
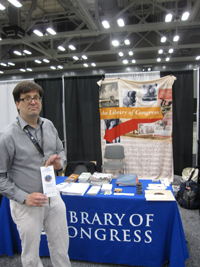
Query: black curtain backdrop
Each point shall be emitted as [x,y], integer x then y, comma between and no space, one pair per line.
[183,106]
[52,102]
[198,114]
[83,119]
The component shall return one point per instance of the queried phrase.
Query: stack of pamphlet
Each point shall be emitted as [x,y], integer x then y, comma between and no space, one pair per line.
[75,189]
[98,178]
[127,179]
[94,190]
[84,177]
[106,187]
[72,178]
[61,186]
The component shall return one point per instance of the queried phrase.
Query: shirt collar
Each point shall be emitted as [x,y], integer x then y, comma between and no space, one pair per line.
[23,123]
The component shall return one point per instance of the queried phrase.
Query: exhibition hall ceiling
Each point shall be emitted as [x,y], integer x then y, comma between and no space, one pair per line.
[79,23]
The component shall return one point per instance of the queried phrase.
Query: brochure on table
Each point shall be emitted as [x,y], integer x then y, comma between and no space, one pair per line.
[77,189]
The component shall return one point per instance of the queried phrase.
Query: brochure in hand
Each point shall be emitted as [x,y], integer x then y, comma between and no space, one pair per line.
[127,179]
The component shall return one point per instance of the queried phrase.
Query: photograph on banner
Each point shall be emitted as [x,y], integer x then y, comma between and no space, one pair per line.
[109,96]
[133,113]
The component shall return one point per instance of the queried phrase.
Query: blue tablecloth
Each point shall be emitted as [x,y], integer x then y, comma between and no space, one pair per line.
[113,229]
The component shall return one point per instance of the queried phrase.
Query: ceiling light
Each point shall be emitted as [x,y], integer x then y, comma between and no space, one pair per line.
[15,3]
[2,7]
[163,39]
[171,50]
[53,68]
[72,47]
[11,64]
[105,24]
[84,57]
[46,60]
[149,69]
[168,18]
[159,59]
[85,65]
[0,38]
[125,61]
[127,42]
[60,67]
[185,16]
[198,57]
[3,64]
[27,52]
[61,48]
[23,70]
[29,69]
[176,38]
[75,58]
[133,61]
[130,53]
[38,61]
[38,33]
[121,54]
[93,64]
[115,43]
[17,53]
[160,51]
[1,72]
[51,31]
[120,22]
[167,59]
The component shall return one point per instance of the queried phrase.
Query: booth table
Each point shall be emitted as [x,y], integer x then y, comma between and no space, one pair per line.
[117,229]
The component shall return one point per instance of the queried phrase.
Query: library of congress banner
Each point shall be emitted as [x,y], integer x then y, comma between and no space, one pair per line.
[138,115]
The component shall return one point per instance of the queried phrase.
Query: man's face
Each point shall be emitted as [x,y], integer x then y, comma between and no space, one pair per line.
[29,109]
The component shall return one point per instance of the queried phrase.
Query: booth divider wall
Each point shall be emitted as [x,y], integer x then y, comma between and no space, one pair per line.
[183,106]
[83,119]
[81,113]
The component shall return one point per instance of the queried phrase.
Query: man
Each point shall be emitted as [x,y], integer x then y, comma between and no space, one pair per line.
[27,144]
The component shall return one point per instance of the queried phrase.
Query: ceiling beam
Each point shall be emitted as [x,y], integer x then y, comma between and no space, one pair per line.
[29,14]
[80,9]
[161,7]
[116,63]
[108,52]
[85,33]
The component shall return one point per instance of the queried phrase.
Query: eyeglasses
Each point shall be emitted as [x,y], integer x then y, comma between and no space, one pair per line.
[29,99]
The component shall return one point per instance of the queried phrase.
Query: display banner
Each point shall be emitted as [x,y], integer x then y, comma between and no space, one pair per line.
[138,115]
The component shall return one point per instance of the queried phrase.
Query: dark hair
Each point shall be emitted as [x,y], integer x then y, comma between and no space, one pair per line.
[25,87]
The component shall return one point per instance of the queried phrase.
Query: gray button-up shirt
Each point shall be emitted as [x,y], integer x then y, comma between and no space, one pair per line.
[20,161]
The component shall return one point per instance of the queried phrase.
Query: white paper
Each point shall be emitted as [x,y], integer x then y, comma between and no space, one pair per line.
[124,194]
[78,189]
[156,196]
[106,187]
[93,191]
[156,186]
[61,186]
[48,181]
[159,195]
[165,181]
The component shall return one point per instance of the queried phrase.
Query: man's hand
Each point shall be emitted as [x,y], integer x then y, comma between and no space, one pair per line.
[36,200]
[54,160]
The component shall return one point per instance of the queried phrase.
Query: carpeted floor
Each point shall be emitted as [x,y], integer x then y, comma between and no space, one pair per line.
[191,225]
